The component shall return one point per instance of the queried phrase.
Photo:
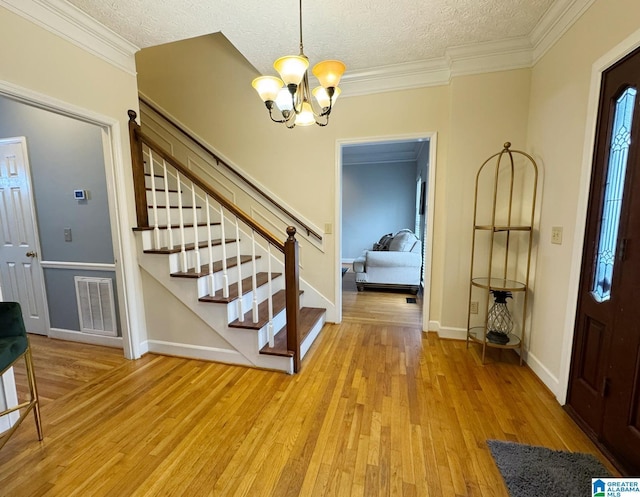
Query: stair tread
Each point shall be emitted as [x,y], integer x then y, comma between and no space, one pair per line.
[309,316]
[188,246]
[171,190]
[217,266]
[261,279]
[176,226]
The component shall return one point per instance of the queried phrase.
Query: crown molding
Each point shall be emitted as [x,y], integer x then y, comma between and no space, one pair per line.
[555,23]
[515,53]
[395,77]
[69,22]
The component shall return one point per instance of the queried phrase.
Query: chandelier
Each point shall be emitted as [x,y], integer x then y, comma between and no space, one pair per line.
[291,95]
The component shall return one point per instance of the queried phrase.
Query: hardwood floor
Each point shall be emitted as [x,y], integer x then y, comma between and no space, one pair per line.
[378,409]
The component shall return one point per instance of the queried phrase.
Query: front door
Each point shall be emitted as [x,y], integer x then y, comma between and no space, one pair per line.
[604,389]
[20,273]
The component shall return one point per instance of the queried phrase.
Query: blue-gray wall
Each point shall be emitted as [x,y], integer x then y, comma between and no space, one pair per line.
[65,154]
[376,199]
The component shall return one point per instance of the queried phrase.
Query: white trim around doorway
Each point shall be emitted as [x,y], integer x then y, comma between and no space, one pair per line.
[429,218]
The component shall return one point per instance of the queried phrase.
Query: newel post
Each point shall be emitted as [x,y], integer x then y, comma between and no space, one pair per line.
[137,164]
[292,291]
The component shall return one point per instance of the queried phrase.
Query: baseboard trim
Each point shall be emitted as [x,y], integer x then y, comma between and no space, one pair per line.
[77,336]
[226,356]
[545,376]
[448,332]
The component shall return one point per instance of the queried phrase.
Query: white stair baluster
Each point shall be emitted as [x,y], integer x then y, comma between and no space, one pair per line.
[238,263]
[167,202]
[154,203]
[270,333]
[183,250]
[196,240]
[225,276]
[254,281]
[212,289]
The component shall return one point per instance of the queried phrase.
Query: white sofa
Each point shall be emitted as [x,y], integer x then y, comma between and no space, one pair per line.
[397,264]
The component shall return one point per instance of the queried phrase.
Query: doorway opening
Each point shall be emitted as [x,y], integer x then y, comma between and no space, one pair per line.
[108,146]
[386,186]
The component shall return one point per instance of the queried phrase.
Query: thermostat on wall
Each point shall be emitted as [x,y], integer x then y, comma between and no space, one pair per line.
[80,194]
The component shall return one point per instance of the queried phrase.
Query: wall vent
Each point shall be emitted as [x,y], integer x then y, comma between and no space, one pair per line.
[96,306]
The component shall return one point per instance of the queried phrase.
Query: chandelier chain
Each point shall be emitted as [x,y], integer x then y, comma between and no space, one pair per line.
[301,48]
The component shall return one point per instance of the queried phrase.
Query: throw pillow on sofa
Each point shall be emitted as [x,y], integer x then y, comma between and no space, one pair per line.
[384,242]
[403,241]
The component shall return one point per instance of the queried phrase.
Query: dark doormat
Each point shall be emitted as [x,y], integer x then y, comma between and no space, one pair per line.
[532,471]
[411,300]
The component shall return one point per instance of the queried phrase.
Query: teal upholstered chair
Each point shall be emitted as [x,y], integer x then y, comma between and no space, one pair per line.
[14,344]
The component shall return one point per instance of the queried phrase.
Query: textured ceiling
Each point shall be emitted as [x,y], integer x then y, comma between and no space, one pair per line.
[365,34]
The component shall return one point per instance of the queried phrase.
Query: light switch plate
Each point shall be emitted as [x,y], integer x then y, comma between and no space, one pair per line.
[67,234]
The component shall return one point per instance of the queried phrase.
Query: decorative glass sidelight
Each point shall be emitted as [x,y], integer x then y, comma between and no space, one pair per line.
[614,188]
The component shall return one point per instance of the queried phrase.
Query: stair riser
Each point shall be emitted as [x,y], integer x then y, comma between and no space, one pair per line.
[175,260]
[311,337]
[204,282]
[247,301]
[279,321]
[149,236]
[159,182]
[173,197]
[174,216]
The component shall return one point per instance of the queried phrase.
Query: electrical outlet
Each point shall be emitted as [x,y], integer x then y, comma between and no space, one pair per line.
[473,308]
[556,235]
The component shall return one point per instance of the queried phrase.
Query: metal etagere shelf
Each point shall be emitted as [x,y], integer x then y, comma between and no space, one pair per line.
[503,216]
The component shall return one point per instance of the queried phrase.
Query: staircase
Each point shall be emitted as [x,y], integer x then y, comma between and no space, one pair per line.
[229,271]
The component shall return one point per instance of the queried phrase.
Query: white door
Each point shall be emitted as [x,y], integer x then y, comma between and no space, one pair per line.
[20,273]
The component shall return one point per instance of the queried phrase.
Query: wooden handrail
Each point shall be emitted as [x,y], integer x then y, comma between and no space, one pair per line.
[219,161]
[288,248]
[139,137]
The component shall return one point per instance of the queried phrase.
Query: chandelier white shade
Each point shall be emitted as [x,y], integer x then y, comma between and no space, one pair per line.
[290,96]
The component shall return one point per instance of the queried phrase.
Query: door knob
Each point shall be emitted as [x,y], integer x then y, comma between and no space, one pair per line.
[31,254]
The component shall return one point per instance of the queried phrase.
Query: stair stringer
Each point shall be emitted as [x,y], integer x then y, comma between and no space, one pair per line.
[245,342]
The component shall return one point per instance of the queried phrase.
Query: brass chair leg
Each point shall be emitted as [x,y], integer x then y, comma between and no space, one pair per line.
[33,390]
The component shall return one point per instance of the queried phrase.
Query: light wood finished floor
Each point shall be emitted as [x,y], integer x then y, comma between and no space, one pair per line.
[378,409]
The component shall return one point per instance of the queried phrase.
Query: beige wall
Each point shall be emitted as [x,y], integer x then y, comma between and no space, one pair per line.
[487,110]
[66,76]
[560,96]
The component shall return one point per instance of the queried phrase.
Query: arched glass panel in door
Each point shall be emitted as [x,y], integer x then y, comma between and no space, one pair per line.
[614,188]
